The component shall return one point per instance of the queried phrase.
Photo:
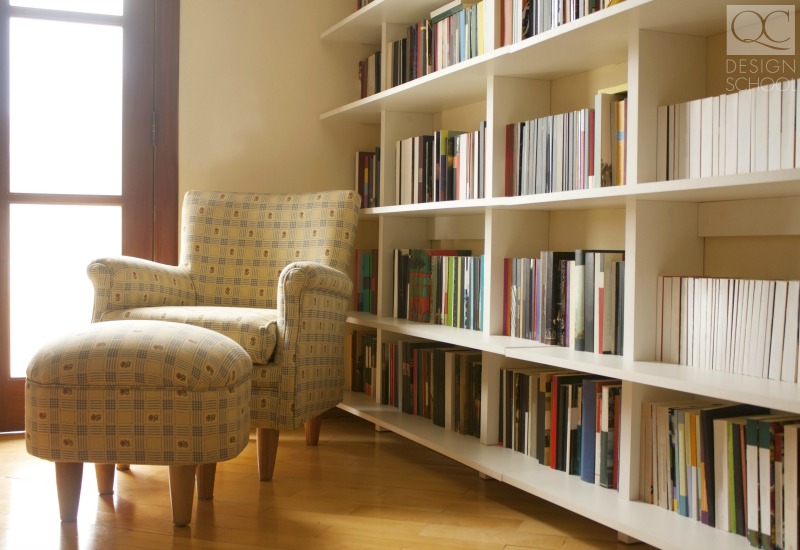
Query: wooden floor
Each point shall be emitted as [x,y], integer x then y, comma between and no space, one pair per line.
[358,489]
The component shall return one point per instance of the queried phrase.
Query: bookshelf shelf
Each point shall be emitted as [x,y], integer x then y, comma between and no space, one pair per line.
[757,185]
[736,226]
[730,387]
[644,522]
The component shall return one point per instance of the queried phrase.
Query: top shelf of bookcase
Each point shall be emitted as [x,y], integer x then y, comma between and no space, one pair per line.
[364,26]
[700,18]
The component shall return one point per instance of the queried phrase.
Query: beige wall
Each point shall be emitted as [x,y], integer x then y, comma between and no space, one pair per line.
[254,78]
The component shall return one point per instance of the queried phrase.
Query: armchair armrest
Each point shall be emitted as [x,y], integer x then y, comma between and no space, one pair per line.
[312,310]
[126,282]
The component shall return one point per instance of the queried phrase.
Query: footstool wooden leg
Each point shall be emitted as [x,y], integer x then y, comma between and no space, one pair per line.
[69,476]
[181,492]
[105,478]
[266,451]
[206,473]
[312,430]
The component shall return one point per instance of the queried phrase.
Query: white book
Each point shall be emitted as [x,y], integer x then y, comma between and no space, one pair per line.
[760,330]
[767,340]
[791,533]
[701,321]
[721,491]
[398,171]
[706,136]
[774,128]
[788,105]
[733,307]
[738,339]
[666,314]
[759,129]
[695,137]
[691,327]
[684,324]
[715,134]
[660,325]
[744,120]
[662,145]
[684,136]
[673,355]
[722,325]
[778,324]
[731,134]
[744,366]
[790,339]
[749,324]
[672,143]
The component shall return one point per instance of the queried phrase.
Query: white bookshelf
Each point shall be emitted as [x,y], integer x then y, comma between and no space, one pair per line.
[744,225]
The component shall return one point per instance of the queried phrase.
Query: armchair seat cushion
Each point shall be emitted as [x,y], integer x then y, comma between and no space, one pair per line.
[254,329]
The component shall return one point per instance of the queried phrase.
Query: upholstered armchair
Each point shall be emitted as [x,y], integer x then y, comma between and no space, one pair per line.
[270,272]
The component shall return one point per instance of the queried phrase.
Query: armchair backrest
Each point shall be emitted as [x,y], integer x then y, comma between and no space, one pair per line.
[236,244]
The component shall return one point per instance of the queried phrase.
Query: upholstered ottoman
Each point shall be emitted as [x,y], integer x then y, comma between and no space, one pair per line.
[138,392]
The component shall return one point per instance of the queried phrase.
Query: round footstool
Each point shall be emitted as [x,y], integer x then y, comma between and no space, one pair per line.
[138,392]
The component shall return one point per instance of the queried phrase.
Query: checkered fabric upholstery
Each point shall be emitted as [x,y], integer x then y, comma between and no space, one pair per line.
[268,270]
[138,392]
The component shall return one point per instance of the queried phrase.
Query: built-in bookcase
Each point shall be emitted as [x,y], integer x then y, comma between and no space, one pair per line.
[743,225]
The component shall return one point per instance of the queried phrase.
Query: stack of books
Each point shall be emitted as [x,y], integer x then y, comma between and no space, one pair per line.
[452,34]
[569,299]
[446,165]
[738,326]
[748,131]
[439,286]
[568,421]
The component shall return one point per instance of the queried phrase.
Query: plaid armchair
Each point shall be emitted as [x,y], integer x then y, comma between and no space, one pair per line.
[270,272]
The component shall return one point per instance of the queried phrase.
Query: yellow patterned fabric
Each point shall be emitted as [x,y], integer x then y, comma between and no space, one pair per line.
[138,392]
[235,245]
[285,255]
[252,328]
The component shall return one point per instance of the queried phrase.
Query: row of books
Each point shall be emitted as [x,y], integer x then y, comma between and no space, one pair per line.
[521,19]
[748,131]
[369,75]
[445,165]
[576,150]
[569,299]
[739,326]
[730,466]
[361,3]
[365,278]
[568,421]
[363,360]
[435,381]
[368,177]
[452,34]
[439,286]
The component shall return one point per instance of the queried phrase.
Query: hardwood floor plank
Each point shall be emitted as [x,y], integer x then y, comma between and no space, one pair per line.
[359,489]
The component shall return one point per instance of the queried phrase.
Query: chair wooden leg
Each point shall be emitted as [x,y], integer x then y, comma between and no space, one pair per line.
[181,493]
[312,430]
[267,450]
[69,476]
[206,474]
[105,478]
